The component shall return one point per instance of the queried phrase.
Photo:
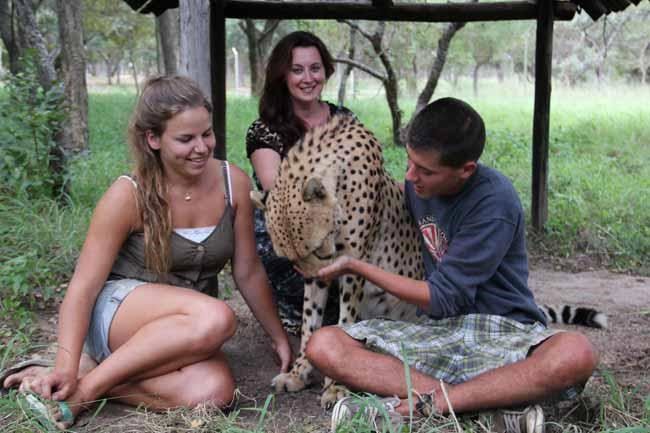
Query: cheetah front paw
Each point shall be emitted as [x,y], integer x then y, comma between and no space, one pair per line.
[288,382]
[332,394]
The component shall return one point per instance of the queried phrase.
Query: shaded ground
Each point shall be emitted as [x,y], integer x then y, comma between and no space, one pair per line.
[624,348]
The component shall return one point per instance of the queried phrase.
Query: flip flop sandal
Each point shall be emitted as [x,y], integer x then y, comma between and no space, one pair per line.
[16,368]
[38,407]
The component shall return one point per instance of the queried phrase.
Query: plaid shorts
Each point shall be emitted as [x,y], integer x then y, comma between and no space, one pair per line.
[455,349]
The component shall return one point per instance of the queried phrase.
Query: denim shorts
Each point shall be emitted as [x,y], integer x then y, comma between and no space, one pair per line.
[107,303]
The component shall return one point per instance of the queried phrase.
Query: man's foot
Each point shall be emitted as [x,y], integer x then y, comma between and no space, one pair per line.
[528,420]
[380,414]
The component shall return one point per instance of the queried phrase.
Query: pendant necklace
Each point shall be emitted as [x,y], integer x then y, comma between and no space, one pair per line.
[188,196]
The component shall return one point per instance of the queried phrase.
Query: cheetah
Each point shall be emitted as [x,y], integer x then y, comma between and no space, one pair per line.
[332,197]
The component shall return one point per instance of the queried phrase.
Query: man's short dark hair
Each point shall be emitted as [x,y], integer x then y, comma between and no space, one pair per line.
[452,128]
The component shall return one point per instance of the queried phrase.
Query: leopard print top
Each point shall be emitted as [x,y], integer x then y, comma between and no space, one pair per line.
[261,136]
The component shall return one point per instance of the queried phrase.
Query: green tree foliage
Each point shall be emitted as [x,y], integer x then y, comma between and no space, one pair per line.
[614,47]
[30,117]
[115,34]
[29,189]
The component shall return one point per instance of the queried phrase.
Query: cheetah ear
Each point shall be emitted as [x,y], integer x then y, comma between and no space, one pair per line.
[314,189]
[259,199]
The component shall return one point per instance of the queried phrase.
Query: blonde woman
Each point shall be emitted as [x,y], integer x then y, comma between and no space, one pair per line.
[156,242]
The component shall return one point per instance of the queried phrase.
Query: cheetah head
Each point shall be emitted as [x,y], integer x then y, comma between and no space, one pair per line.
[327,179]
[302,221]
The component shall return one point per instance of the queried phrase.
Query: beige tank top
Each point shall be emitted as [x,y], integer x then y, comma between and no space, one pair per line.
[194,265]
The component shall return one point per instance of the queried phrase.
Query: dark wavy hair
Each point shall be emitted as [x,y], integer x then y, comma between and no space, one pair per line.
[452,128]
[275,107]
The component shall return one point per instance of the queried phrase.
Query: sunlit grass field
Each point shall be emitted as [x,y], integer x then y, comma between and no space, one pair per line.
[598,193]
[599,176]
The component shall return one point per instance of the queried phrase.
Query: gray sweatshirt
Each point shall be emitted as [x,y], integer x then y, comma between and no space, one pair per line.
[474,249]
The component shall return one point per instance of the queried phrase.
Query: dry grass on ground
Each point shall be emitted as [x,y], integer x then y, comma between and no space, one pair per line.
[617,393]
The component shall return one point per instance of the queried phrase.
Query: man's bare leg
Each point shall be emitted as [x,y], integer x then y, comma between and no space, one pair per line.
[559,362]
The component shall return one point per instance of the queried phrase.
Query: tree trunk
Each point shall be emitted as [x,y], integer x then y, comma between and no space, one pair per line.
[248,26]
[412,79]
[134,72]
[8,34]
[168,27]
[477,66]
[391,86]
[34,39]
[389,80]
[109,71]
[259,42]
[500,74]
[348,67]
[195,43]
[438,65]
[75,129]
[642,62]
[160,67]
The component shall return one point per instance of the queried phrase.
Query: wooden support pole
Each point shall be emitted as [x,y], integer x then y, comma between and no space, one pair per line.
[414,12]
[541,117]
[218,74]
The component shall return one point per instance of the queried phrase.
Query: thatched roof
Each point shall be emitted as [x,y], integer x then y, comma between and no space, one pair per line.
[598,8]
[152,6]
[595,8]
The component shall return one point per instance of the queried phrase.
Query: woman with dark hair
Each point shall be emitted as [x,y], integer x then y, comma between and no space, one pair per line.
[291,104]
[137,323]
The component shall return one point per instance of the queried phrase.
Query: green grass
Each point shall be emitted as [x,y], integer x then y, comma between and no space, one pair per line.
[599,178]
[598,174]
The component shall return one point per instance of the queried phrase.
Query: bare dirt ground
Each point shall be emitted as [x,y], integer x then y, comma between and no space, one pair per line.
[624,349]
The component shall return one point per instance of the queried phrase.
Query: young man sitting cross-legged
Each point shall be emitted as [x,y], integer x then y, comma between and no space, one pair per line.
[481,335]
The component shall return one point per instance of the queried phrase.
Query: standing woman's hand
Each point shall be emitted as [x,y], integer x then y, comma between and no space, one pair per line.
[283,352]
[249,274]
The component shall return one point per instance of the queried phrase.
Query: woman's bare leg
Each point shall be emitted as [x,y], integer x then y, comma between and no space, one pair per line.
[158,331]
[180,388]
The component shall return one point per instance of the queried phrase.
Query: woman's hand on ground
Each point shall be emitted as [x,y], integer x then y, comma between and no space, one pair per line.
[57,385]
[284,355]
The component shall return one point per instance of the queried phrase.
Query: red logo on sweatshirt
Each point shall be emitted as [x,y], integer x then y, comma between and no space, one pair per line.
[435,240]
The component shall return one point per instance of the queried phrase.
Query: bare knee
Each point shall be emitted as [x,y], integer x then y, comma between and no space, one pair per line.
[570,358]
[216,392]
[213,388]
[214,322]
[326,346]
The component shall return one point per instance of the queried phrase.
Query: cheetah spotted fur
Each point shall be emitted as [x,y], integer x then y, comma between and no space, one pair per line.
[333,197]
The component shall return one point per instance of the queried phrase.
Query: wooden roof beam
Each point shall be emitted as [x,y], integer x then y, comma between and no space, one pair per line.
[432,12]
